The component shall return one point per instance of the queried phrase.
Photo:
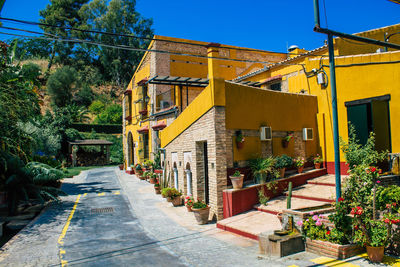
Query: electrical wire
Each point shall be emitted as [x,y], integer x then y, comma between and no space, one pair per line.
[124,47]
[138,37]
[326,17]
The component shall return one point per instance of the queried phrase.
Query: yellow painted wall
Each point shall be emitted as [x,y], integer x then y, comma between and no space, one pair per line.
[250,150]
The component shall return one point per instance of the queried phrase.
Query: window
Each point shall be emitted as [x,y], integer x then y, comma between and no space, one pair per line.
[275,86]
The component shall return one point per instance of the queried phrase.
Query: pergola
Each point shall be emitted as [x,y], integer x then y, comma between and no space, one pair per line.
[90,142]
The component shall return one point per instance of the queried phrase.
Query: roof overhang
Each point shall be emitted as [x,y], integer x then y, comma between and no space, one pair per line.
[159,126]
[182,81]
[144,129]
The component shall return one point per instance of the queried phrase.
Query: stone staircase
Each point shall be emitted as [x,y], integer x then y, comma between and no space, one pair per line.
[317,192]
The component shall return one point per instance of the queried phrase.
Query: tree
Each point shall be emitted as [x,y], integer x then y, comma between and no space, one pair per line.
[31,72]
[117,16]
[84,96]
[97,107]
[61,85]
[31,48]
[63,13]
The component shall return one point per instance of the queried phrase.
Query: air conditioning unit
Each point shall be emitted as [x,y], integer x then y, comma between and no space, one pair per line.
[265,133]
[308,134]
[164,104]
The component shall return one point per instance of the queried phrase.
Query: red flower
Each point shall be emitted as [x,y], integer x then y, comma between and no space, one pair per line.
[387,220]
[353,211]
[328,232]
[393,221]
[388,206]
[356,227]
[373,169]
[394,204]
[340,199]
[359,211]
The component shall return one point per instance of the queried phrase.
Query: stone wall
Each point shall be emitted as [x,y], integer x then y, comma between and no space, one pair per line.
[209,128]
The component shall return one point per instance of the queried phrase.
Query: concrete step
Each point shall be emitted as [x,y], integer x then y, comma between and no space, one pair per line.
[250,224]
[278,204]
[328,180]
[315,192]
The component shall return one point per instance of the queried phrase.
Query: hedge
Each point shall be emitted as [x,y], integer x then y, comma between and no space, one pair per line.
[98,128]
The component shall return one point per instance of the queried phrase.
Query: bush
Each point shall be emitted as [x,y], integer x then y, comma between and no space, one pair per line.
[199,205]
[112,115]
[283,161]
[97,107]
[60,86]
[84,96]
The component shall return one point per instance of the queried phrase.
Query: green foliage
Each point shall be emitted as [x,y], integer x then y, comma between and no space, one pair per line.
[299,162]
[340,218]
[157,160]
[173,193]
[357,154]
[199,205]
[283,161]
[165,191]
[84,96]
[31,72]
[387,196]
[263,169]
[97,107]
[111,115]
[31,48]
[236,174]
[375,234]
[61,85]
[261,196]
[19,103]
[313,228]
[116,149]
[138,167]
[77,113]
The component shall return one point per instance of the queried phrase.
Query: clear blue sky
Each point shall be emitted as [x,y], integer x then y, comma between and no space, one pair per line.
[263,24]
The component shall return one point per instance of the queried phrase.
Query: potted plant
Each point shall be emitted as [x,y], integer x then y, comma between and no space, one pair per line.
[144,175]
[286,139]
[189,203]
[299,163]
[153,178]
[239,138]
[165,193]
[157,162]
[138,169]
[317,161]
[121,167]
[237,180]
[201,211]
[157,188]
[263,169]
[282,162]
[176,197]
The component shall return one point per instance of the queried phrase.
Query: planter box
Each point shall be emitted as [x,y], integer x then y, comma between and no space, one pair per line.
[329,249]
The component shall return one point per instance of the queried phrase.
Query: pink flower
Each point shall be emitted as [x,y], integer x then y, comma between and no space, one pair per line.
[300,223]
[315,217]
[378,182]
[311,213]
[318,223]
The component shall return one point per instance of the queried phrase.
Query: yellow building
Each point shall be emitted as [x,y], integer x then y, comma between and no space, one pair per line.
[194,108]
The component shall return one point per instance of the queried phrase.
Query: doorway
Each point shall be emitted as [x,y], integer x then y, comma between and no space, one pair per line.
[131,150]
[202,179]
[371,115]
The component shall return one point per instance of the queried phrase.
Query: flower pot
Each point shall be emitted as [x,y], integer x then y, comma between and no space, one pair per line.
[300,169]
[189,208]
[282,172]
[239,145]
[142,177]
[158,190]
[237,181]
[177,201]
[375,254]
[201,215]
[121,167]
[285,143]
[153,180]
[317,165]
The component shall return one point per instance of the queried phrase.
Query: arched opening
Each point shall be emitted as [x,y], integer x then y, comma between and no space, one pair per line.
[131,150]
[175,172]
[188,179]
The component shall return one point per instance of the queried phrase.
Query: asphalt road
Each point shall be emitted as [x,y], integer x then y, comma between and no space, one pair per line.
[104,231]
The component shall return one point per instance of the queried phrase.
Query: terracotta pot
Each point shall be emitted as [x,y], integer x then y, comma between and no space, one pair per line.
[153,180]
[189,208]
[176,201]
[237,182]
[282,172]
[169,199]
[285,143]
[121,167]
[201,215]
[317,165]
[142,177]
[300,169]
[239,145]
[158,190]
[375,254]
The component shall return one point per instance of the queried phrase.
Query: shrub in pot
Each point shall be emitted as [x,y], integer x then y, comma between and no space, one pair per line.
[201,212]
[282,162]
[237,180]
[176,197]
[317,161]
[157,188]
[189,203]
[299,163]
[138,169]
[153,178]
[165,192]
[263,169]
[144,175]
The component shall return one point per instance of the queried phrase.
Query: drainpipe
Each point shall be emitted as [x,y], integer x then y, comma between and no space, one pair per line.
[176,178]
[189,182]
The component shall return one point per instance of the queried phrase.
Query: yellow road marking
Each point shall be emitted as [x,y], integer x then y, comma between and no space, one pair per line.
[333,262]
[85,194]
[386,260]
[117,193]
[65,229]
[293,265]
[101,194]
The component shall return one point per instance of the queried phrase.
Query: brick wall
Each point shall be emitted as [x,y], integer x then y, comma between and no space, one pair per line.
[209,128]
